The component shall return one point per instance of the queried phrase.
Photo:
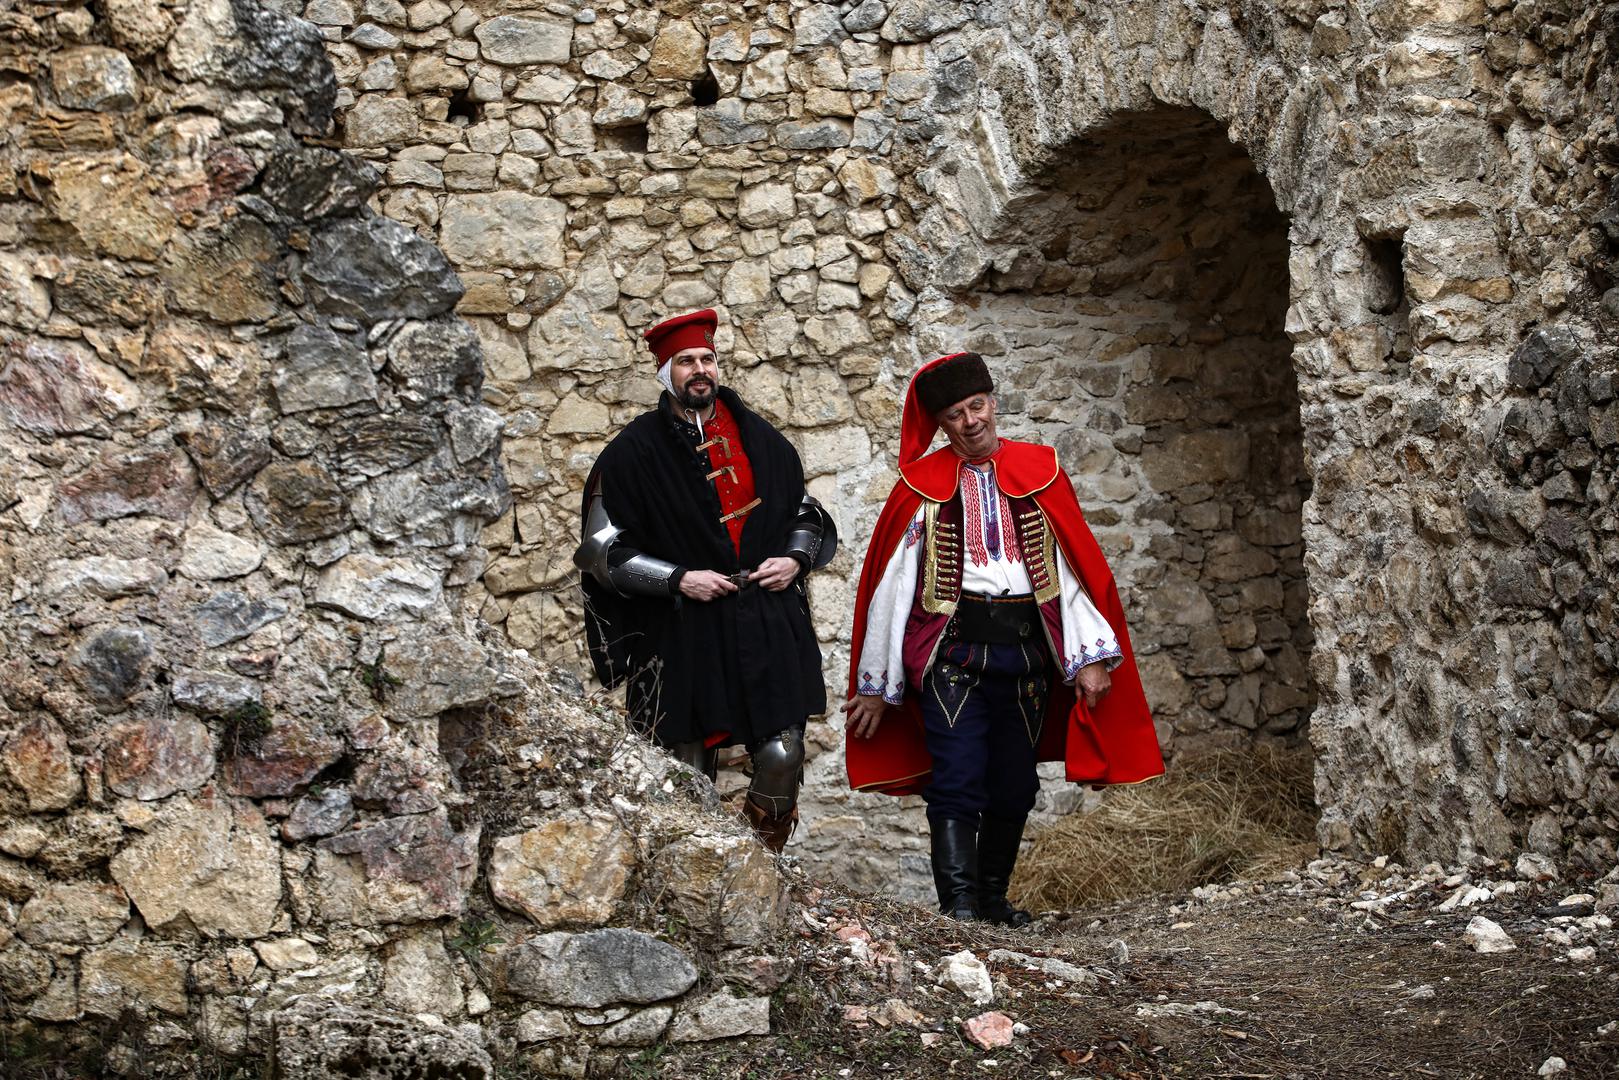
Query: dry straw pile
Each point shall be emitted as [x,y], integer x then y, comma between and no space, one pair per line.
[1216,817]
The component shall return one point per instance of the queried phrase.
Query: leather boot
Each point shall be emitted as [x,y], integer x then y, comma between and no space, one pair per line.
[774,830]
[955,846]
[998,840]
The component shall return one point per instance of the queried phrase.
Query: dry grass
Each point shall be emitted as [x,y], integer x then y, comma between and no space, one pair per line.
[1222,815]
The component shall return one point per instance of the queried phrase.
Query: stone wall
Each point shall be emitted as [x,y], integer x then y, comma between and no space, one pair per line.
[1350,536]
[266,786]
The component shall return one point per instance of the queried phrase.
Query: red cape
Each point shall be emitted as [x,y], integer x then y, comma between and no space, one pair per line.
[1116,742]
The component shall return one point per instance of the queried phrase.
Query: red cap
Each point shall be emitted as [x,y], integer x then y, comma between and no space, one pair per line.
[694,331]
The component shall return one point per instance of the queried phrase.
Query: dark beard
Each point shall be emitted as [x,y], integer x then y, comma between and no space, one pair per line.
[693,400]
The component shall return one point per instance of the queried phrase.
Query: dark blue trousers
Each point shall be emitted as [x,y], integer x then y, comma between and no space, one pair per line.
[982,709]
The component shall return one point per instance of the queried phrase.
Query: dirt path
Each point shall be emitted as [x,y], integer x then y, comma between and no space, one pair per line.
[1345,971]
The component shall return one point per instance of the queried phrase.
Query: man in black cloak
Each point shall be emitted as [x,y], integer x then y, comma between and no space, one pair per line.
[698,535]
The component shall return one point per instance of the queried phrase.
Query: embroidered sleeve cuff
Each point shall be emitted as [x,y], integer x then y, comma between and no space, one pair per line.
[1107,653]
[878,687]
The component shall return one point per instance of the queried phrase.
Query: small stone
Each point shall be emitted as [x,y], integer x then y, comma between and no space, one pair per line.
[542,1025]
[38,760]
[1582,954]
[869,15]
[229,616]
[721,1016]
[320,369]
[991,1030]
[213,693]
[94,77]
[913,21]
[59,387]
[310,183]
[725,124]
[280,760]
[965,972]
[817,25]
[294,502]
[418,976]
[147,481]
[380,120]
[1533,867]
[1486,936]
[141,27]
[286,954]
[1552,1066]
[822,134]
[317,814]
[372,36]
[643,1028]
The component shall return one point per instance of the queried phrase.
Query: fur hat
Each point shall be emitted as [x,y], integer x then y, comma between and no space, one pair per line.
[950,379]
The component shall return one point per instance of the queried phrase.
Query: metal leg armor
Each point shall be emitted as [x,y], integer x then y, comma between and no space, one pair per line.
[771,806]
[698,756]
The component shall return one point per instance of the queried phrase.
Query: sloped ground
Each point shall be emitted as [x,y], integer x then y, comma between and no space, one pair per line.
[1336,970]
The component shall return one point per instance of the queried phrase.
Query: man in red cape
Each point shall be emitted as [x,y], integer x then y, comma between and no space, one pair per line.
[988,636]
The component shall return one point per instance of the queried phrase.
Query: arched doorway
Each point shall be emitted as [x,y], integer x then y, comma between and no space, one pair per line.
[1135,311]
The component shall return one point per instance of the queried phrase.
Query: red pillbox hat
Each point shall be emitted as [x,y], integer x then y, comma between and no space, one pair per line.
[694,331]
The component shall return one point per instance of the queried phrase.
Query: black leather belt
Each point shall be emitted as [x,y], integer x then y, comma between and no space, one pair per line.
[996,620]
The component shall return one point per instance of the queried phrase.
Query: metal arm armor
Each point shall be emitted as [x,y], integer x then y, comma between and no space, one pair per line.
[615,564]
[814,536]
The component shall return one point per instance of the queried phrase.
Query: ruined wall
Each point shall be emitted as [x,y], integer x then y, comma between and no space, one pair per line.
[1338,527]
[265,786]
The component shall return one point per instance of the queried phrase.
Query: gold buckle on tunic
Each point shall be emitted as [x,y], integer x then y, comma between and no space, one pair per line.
[739,511]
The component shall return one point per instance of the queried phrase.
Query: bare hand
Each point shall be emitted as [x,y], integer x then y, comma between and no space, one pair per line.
[865,712]
[775,574]
[1094,683]
[705,585]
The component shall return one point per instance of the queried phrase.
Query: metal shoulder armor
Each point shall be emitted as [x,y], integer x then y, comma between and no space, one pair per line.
[813,536]
[614,564]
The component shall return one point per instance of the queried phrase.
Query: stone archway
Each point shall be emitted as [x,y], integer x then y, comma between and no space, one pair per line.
[1134,305]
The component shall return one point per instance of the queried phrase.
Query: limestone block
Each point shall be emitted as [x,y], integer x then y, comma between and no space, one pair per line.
[225,273]
[418,976]
[726,124]
[837,333]
[517,40]
[766,204]
[402,869]
[140,27]
[146,481]
[373,269]
[619,106]
[1209,456]
[428,73]
[219,869]
[125,974]
[746,282]
[912,21]
[570,869]
[321,369]
[318,814]
[112,665]
[825,134]
[765,77]
[104,576]
[286,954]
[59,387]
[230,615]
[374,587]
[543,1025]
[817,25]
[597,968]
[721,1015]
[294,502]
[73,914]
[94,77]
[723,886]
[679,52]
[503,230]
[212,554]
[819,396]
[213,693]
[866,16]
[378,120]
[281,760]
[113,211]
[315,1038]
[643,1028]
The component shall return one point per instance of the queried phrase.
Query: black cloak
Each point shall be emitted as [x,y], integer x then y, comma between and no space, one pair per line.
[747,663]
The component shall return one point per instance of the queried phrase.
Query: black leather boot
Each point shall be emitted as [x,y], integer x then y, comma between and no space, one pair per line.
[998,841]
[954,861]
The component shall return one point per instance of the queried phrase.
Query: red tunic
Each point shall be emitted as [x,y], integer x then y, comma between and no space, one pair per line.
[729,471]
